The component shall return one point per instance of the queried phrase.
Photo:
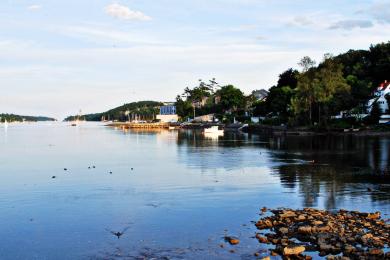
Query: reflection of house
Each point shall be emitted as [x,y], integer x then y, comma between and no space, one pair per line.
[168,114]
[260,95]
[380,95]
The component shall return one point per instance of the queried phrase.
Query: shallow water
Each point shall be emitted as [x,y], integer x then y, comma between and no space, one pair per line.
[173,193]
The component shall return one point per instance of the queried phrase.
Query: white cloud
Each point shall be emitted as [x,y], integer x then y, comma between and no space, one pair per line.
[351,24]
[302,21]
[124,13]
[34,7]
[380,11]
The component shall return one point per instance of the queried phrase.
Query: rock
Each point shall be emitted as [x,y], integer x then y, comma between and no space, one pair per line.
[274,253]
[351,233]
[283,230]
[262,239]
[376,252]
[326,247]
[305,230]
[348,249]
[296,250]
[318,223]
[375,215]
[322,229]
[232,240]
[287,214]
[256,254]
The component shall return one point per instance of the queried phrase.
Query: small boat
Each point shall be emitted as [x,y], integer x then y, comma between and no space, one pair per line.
[171,128]
[5,123]
[213,130]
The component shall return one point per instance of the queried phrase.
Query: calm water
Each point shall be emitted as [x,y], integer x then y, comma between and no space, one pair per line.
[173,193]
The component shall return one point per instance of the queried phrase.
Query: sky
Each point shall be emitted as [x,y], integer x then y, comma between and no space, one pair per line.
[60,56]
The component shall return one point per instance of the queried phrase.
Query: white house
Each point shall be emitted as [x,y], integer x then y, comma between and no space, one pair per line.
[168,114]
[380,98]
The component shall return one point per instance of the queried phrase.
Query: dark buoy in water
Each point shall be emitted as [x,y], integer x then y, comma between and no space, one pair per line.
[110,172]
[93,167]
[53,177]
[65,169]
[369,189]
[89,167]
[132,169]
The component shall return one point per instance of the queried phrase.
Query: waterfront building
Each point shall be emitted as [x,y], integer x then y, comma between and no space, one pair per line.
[168,113]
[380,96]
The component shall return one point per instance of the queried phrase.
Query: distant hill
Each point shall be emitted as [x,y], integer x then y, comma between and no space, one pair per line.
[142,110]
[19,118]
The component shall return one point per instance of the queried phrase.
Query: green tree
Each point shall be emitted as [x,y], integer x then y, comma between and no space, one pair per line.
[329,82]
[231,98]
[184,108]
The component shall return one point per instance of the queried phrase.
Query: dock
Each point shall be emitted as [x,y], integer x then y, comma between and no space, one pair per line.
[140,125]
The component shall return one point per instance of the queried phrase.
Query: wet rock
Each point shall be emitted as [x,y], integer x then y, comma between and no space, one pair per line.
[296,250]
[283,230]
[348,249]
[376,252]
[375,215]
[262,239]
[347,234]
[305,230]
[288,214]
[232,240]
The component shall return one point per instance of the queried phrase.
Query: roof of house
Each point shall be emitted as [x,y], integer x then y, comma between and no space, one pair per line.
[260,92]
[384,85]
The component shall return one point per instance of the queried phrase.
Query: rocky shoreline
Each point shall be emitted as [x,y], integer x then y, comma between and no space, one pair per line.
[334,235]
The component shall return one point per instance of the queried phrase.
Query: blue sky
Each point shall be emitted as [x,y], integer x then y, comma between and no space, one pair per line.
[59,56]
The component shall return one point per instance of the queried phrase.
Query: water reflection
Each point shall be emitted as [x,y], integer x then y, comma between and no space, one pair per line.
[178,189]
[324,170]
[328,168]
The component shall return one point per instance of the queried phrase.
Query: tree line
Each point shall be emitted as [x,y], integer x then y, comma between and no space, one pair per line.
[309,96]
[19,118]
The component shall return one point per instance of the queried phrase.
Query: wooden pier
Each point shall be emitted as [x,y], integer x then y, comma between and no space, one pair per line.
[140,125]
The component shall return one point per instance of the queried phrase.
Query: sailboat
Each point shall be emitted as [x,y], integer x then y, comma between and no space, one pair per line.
[77,121]
[5,123]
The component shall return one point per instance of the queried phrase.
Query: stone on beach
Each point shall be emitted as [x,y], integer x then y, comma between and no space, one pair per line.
[232,240]
[296,250]
[341,235]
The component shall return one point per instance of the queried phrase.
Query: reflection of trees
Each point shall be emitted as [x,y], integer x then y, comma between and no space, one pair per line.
[332,168]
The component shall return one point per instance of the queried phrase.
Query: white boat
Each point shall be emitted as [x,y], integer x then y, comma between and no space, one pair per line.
[5,123]
[213,130]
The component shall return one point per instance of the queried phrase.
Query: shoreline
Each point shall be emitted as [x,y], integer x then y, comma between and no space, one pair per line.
[254,129]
